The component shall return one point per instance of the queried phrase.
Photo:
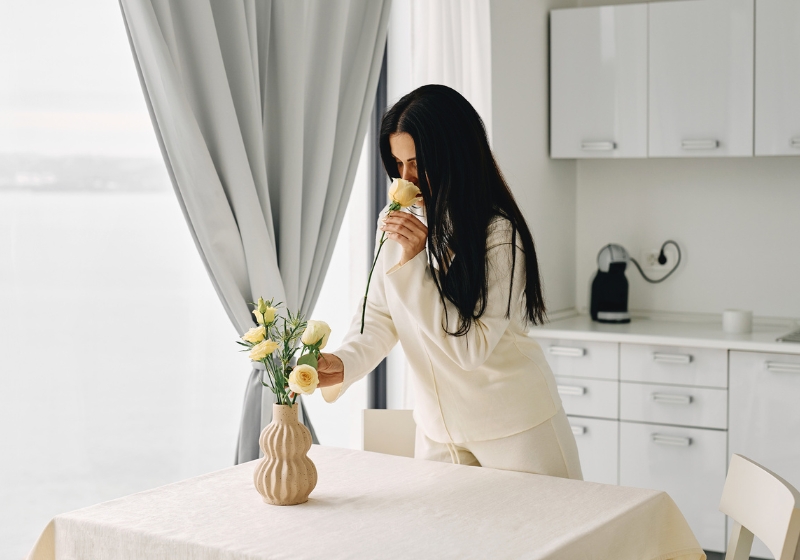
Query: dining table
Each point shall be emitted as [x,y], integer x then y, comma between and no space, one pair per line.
[372,505]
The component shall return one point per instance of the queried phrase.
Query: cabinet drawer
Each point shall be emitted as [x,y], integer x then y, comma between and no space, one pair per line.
[578,358]
[688,463]
[707,367]
[667,404]
[589,397]
[598,447]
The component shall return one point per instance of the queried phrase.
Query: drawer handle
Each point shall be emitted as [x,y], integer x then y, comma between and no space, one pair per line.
[601,146]
[706,144]
[568,351]
[666,398]
[778,367]
[571,390]
[664,358]
[672,440]
[796,142]
[578,430]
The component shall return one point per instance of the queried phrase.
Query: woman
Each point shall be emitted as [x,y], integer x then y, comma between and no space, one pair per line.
[483,390]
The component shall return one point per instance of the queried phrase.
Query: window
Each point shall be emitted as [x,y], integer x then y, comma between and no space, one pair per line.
[118,367]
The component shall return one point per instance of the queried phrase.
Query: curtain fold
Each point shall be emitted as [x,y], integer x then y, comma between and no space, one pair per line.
[260,108]
[451,45]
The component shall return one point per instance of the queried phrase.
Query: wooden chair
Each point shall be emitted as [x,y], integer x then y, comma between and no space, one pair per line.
[762,504]
[389,431]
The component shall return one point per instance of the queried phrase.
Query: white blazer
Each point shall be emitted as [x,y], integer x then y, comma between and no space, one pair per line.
[491,383]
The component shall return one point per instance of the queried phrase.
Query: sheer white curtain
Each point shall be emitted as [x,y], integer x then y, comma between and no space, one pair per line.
[451,45]
[260,108]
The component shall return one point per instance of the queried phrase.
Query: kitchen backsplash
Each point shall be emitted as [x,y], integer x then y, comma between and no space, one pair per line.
[737,221]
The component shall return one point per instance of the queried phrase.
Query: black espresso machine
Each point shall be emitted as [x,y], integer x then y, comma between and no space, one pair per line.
[609,303]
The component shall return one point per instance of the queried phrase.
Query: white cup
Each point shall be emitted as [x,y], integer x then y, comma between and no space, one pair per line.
[737,321]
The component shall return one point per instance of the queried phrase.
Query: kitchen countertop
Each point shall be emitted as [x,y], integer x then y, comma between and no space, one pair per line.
[668,332]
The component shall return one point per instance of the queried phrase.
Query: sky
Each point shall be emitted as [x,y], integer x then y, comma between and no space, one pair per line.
[68,84]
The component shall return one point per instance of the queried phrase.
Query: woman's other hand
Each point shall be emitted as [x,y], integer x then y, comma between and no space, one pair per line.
[330,370]
[408,231]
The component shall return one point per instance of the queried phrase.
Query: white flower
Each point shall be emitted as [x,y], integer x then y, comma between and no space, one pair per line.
[303,379]
[316,331]
[255,335]
[403,192]
[262,350]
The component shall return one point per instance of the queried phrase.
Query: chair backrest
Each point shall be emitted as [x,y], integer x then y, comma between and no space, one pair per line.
[762,504]
[389,431]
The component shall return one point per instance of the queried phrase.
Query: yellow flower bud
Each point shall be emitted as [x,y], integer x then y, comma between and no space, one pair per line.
[316,331]
[262,350]
[255,335]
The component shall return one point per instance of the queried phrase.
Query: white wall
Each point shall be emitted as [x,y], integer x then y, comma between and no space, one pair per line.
[545,189]
[737,221]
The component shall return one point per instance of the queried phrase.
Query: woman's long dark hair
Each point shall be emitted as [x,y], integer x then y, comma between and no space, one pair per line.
[463,189]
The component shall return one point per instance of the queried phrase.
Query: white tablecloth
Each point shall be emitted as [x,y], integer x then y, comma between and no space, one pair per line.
[368,505]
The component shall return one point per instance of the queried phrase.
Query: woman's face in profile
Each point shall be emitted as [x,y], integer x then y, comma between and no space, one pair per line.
[405,154]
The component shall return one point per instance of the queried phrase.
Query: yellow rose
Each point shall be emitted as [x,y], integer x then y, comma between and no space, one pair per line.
[255,335]
[303,379]
[266,316]
[315,331]
[262,350]
[403,192]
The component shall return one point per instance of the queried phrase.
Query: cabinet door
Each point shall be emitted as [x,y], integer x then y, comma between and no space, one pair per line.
[598,82]
[777,77]
[701,78]
[598,448]
[688,463]
[764,419]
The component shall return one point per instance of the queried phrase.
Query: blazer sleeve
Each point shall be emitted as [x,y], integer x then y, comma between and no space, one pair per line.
[361,353]
[413,284]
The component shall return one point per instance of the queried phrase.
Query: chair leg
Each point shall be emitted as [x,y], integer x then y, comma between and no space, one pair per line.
[740,543]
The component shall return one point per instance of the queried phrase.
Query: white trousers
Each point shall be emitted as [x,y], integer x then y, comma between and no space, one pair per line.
[548,449]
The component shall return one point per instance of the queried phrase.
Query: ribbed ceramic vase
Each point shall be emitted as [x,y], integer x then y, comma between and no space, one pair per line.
[285,476]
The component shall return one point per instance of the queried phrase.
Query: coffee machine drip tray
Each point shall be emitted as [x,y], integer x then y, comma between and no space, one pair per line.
[613,317]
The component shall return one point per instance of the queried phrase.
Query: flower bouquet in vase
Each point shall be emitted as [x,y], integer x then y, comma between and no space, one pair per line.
[285,476]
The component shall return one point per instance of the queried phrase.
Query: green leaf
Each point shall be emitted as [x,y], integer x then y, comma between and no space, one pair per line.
[307,359]
[244,344]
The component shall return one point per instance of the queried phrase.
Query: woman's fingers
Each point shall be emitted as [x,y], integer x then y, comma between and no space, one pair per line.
[408,231]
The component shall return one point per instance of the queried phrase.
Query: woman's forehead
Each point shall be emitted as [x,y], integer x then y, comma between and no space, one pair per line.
[402,145]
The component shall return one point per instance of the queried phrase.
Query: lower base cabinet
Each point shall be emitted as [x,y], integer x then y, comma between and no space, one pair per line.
[765,423]
[690,464]
[598,447]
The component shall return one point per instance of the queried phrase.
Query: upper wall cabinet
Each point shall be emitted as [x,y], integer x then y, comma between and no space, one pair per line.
[701,78]
[598,82]
[777,77]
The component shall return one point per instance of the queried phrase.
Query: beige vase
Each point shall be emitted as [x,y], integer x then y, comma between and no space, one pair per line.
[285,476]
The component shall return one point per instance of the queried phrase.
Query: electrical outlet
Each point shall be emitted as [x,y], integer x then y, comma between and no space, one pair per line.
[649,259]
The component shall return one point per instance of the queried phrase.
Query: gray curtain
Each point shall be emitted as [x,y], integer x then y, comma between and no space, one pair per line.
[260,108]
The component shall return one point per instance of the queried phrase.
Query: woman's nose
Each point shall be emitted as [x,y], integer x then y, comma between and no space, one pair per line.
[409,176]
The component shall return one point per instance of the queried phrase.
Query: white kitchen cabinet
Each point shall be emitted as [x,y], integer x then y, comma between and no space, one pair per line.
[764,415]
[598,448]
[688,463]
[669,404]
[777,103]
[598,82]
[676,365]
[587,374]
[700,72]
[598,398]
[572,358]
